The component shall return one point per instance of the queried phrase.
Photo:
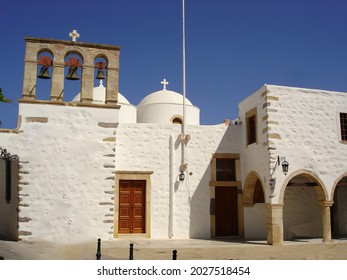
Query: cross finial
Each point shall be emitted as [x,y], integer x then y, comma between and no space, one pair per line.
[74,35]
[164,83]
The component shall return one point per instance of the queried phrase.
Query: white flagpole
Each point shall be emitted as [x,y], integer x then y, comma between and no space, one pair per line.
[184,67]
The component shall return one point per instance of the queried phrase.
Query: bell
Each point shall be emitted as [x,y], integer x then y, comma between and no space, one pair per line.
[44,73]
[72,74]
[100,75]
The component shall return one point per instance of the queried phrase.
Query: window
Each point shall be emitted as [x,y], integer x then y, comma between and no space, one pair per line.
[251,126]
[343,126]
[177,120]
[225,169]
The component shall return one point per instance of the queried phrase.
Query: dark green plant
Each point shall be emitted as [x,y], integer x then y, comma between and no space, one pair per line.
[3,98]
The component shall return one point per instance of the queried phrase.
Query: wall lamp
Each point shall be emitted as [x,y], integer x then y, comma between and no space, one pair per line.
[285,165]
[182,176]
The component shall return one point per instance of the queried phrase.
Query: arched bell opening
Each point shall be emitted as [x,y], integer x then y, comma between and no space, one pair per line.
[339,210]
[73,75]
[44,75]
[100,72]
[254,208]
[302,212]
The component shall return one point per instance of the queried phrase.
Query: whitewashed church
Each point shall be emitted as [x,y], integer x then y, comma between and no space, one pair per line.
[98,166]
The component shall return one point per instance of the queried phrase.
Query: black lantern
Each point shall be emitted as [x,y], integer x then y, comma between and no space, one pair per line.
[285,166]
[182,176]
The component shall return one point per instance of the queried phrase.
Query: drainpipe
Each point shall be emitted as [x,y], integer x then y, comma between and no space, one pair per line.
[171,187]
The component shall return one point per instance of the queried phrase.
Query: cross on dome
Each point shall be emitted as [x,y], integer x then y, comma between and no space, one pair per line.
[164,83]
[74,35]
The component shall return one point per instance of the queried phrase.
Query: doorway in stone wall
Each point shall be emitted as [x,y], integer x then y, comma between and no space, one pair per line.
[132,201]
[226,211]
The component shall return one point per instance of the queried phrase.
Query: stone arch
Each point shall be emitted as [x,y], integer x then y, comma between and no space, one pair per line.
[78,51]
[103,56]
[322,193]
[303,194]
[46,49]
[249,188]
[72,87]
[44,72]
[254,207]
[337,181]
[339,207]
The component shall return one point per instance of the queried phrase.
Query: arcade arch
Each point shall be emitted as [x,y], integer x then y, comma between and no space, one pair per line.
[303,195]
[339,208]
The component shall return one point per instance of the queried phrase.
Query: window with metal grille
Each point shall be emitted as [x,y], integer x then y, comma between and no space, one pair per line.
[343,124]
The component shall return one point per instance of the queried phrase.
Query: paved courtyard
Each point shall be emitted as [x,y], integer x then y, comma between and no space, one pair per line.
[193,249]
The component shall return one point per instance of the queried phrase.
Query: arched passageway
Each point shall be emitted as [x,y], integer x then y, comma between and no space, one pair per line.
[339,210]
[302,212]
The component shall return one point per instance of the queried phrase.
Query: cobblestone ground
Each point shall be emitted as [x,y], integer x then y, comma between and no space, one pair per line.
[149,249]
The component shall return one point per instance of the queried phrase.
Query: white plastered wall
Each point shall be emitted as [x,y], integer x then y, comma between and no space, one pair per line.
[66,171]
[146,147]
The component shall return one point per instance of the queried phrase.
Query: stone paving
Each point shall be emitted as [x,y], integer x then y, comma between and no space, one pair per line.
[193,249]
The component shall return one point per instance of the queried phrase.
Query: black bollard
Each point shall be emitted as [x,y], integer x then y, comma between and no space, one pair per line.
[131,251]
[98,251]
[174,255]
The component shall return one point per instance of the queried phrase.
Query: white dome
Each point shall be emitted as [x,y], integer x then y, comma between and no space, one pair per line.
[164,97]
[99,96]
[127,111]
[166,106]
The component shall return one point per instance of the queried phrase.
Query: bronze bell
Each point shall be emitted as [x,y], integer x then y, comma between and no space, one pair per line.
[100,75]
[44,73]
[72,74]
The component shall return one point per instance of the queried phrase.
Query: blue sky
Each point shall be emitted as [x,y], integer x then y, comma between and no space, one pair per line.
[233,47]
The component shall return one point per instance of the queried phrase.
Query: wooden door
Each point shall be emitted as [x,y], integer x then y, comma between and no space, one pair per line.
[226,211]
[132,197]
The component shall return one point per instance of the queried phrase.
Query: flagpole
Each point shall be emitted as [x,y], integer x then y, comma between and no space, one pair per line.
[184,67]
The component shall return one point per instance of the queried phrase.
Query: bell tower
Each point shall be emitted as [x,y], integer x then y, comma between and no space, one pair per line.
[55,65]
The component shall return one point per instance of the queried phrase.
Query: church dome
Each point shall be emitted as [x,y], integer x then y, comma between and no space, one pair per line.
[165,97]
[99,96]
[166,106]
[127,111]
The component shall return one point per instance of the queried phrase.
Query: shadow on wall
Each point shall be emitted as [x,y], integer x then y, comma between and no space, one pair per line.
[9,199]
[201,205]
